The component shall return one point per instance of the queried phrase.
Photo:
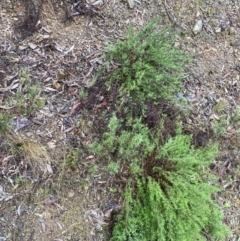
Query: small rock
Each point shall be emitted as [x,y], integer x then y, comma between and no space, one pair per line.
[32,45]
[130,3]
[71,194]
[198,27]
[69,237]
[218,30]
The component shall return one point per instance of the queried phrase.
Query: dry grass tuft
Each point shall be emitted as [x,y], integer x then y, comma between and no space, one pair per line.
[34,154]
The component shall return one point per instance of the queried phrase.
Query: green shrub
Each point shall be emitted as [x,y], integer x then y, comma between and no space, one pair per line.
[4,123]
[128,145]
[149,67]
[172,202]
[71,159]
[27,100]
[169,196]
[113,168]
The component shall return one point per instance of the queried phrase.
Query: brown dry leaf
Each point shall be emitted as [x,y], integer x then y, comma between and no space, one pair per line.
[56,85]
[60,75]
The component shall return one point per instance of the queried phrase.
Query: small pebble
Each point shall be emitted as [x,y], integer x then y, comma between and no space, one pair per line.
[130,3]
[198,27]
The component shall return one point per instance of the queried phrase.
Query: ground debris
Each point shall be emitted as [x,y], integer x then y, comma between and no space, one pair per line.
[58,65]
[47,201]
[4,196]
[82,7]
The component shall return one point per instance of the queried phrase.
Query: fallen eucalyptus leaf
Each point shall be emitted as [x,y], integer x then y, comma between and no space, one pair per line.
[60,74]
[22,47]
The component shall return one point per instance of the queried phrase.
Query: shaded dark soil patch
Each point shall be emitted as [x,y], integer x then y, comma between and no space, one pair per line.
[29,24]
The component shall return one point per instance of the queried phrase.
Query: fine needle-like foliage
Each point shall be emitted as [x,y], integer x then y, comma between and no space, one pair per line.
[4,123]
[149,67]
[173,202]
[169,196]
[124,145]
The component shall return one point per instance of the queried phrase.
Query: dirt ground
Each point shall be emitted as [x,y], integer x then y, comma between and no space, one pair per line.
[74,200]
